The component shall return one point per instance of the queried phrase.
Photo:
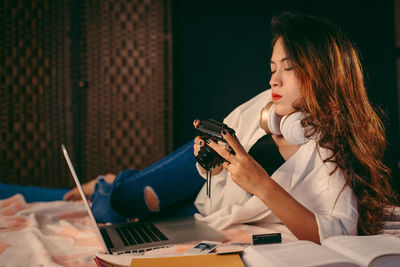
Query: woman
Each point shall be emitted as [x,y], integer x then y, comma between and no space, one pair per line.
[333,182]
[336,180]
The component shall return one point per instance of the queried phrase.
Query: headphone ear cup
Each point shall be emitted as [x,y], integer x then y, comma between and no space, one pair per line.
[269,121]
[274,121]
[292,130]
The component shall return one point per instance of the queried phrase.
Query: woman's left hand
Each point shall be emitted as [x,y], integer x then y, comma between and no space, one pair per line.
[245,171]
[251,177]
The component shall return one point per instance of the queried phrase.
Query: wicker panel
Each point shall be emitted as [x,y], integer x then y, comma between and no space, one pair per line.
[35,91]
[91,74]
[129,92]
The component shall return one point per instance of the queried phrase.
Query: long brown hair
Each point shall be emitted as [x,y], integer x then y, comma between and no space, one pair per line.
[338,110]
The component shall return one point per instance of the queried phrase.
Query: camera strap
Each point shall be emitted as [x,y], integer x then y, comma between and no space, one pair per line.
[208,181]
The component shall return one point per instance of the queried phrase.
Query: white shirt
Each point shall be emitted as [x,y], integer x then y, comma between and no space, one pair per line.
[304,175]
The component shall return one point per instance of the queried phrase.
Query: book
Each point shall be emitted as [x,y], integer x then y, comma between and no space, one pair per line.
[218,260]
[209,260]
[343,251]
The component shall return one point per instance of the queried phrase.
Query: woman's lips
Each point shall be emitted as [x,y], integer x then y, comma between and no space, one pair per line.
[275,97]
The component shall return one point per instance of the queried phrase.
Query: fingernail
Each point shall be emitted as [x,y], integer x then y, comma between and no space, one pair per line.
[224,132]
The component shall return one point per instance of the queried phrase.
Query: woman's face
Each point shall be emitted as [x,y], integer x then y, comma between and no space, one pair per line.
[284,83]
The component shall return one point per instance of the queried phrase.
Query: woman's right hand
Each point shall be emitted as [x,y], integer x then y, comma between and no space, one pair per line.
[198,143]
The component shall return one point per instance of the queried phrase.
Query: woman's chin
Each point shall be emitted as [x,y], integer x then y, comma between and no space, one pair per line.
[282,110]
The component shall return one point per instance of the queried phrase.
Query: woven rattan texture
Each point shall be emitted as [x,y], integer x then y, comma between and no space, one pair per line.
[35,92]
[129,88]
[94,75]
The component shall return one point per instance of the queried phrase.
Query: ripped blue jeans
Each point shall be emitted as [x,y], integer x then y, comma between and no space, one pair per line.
[173,179]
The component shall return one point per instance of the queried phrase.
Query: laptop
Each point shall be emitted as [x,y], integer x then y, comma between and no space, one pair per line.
[137,237]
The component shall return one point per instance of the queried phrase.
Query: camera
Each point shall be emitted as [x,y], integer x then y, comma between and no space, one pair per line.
[211,129]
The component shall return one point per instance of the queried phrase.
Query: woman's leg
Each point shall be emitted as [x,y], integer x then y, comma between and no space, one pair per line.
[88,188]
[137,194]
[100,198]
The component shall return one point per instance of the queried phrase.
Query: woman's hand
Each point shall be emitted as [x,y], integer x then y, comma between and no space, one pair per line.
[251,177]
[198,143]
[245,171]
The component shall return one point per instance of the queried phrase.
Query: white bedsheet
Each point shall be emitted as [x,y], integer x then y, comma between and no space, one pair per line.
[60,233]
[50,234]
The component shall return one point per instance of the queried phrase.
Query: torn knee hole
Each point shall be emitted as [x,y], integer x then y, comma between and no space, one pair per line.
[151,199]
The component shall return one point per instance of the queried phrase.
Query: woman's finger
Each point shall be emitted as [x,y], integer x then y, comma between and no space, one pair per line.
[199,141]
[225,165]
[220,150]
[233,142]
[196,123]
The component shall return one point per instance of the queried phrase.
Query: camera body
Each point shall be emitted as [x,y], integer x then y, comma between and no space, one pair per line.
[211,129]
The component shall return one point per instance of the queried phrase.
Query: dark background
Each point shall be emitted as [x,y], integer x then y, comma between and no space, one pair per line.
[120,82]
[221,51]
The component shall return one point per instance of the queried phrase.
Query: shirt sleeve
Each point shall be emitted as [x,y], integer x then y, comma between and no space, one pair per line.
[342,220]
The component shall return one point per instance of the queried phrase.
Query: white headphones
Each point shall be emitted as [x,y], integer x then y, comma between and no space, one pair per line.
[289,125]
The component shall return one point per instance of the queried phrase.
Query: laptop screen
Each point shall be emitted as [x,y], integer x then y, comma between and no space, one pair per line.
[85,201]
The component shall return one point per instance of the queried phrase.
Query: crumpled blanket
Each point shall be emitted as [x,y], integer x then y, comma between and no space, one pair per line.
[60,233]
[56,233]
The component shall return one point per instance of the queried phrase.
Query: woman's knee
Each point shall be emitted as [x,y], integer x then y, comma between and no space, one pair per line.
[151,199]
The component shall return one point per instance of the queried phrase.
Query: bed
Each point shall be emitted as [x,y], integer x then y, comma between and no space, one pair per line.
[59,233]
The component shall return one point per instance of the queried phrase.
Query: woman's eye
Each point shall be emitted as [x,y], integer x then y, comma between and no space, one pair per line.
[273,71]
[290,68]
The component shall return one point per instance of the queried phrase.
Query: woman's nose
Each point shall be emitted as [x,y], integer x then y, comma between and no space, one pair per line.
[275,80]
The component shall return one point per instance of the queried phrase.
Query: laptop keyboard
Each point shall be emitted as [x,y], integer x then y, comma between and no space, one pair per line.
[140,233]
[106,238]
